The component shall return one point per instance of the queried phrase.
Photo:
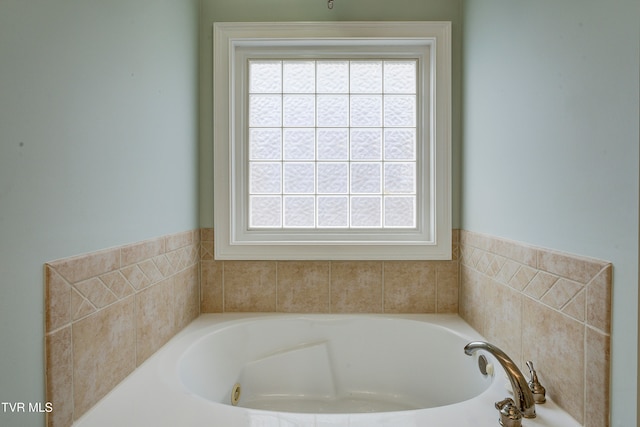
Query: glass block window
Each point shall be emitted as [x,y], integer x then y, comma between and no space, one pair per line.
[332,143]
[332,140]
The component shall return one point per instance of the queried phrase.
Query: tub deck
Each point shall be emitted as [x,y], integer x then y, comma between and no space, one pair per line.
[156,395]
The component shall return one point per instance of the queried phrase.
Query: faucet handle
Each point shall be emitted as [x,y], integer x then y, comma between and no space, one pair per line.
[510,415]
[537,389]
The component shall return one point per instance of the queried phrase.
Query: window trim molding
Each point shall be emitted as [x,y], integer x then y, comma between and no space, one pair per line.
[231,244]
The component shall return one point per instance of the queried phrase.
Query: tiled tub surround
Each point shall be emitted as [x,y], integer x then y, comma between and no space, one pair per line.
[328,286]
[549,307]
[108,311]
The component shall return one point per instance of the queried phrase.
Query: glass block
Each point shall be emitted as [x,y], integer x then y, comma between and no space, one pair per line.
[265,110]
[366,211]
[265,144]
[366,144]
[299,211]
[333,178]
[299,144]
[299,76]
[399,211]
[299,110]
[365,178]
[299,178]
[366,111]
[333,144]
[399,178]
[366,77]
[400,111]
[265,76]
[400,76]
[333,211]
[333,110]
[399,144]
[265,211]
[333,76]
[265,178]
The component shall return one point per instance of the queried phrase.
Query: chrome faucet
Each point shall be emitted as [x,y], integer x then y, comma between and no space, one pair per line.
[523,396]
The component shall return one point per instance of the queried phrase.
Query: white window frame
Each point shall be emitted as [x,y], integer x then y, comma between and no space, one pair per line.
[234,43]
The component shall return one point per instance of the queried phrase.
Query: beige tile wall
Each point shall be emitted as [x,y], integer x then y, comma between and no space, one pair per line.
[548,307]
[328,286]
[108,311]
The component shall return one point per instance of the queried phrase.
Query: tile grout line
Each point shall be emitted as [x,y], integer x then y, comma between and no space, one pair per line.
[224,300]
[73,382]
[436,308]
[585,376]
[382,279]
[330,285]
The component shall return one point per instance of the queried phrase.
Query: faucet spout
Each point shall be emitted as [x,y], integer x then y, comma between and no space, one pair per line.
[521,391]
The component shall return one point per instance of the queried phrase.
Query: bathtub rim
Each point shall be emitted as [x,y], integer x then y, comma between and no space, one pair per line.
[450,324]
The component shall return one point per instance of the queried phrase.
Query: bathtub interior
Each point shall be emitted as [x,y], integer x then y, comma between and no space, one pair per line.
[332,365]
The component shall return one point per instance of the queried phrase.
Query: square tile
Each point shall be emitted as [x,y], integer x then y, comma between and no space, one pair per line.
[155,318]
[410,286]
[250,286]
[356,287]
[555,344]
[59,377]
[211,287]
[104,352]
[303,286]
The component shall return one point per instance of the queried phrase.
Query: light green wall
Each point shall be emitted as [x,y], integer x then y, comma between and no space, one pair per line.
[98,122]
[550,151]
[317,10]
[98,148]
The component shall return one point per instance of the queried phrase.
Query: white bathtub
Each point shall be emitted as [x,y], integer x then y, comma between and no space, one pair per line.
[315,370]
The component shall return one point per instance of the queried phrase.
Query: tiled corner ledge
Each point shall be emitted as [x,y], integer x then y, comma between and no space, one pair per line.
[108,311]
[549,307]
